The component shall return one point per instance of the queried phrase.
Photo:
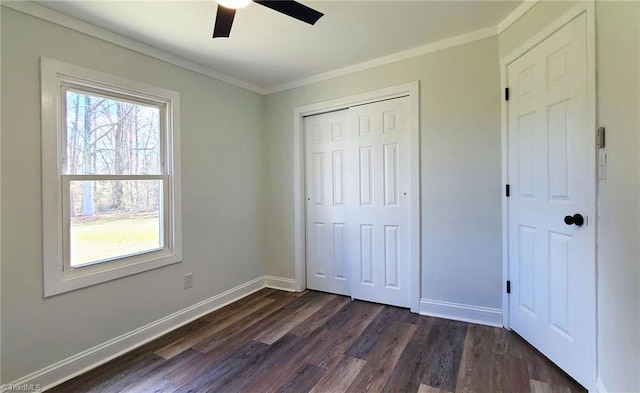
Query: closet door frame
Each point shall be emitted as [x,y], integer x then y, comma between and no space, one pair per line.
[411,90]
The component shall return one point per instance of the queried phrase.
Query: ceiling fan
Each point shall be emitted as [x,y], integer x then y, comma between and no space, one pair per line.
[227,11]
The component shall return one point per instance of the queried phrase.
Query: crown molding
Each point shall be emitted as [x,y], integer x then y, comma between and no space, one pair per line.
[414,52]
[380,61]
[516,14]
[49,15]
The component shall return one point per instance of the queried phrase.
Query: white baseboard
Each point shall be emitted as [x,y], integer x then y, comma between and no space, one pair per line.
[82,362]
[600,388]
[283,284]
[461,312]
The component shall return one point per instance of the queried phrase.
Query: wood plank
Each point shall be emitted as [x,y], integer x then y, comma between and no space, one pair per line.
[477,361]
[430,389]
[231,338]
[303,380]
[215,376]
[381,363]
[445,344]
[207,331]
[232,308]
[184,330]
[340,377]
[408,372]
[509,344]
[265,292]
[363,346]
[413,318]
[112,370]
[244,329]
[121,380]
[321,317]
[300,354]
[540,370]
[155,380]
[286,295]
[423,326]
[510,374]
[318,345]
[203,363]
[543,387]
[296,300]
[277,330]
[269,359]
[348,325]
[162,385]
[354,313]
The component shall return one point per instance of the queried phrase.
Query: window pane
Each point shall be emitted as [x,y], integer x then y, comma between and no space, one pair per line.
[111,136]
[114,218]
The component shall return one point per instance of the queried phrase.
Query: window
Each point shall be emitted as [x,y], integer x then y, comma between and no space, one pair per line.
[111,185]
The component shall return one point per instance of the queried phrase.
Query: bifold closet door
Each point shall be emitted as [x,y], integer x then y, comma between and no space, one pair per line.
[326,139]
[358,207]
[379,216]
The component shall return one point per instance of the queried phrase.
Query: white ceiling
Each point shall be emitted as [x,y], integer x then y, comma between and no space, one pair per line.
[268,49]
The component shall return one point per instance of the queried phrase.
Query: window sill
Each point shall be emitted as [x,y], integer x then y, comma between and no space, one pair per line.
[70,280]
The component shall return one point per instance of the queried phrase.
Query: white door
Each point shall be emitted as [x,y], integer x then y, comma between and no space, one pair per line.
[379,217]
[552,178]
[326,138]
[358,208]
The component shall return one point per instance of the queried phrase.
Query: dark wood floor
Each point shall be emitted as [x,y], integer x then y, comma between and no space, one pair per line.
[275,341]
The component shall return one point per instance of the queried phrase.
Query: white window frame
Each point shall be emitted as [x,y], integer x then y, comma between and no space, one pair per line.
[56,78]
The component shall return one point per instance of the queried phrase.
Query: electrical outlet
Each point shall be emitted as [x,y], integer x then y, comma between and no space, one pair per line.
[188,280]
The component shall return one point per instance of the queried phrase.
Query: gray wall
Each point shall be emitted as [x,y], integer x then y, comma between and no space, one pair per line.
[619,229]
[221,129]
[460,168]
[618,70]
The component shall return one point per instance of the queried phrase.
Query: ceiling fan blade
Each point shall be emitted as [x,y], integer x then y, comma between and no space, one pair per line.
[224,21]
[292,9]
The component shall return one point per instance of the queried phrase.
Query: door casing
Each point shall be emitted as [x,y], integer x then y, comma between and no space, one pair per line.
[411,90]
[588,8]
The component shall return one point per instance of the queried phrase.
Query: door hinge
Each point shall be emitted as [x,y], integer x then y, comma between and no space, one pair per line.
[506,94]
[508,286]
[600,138]
[507,191]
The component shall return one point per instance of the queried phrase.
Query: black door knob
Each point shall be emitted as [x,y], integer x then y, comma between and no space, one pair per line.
[576,219]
